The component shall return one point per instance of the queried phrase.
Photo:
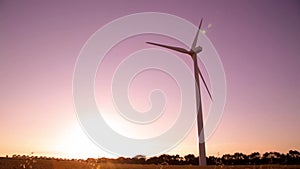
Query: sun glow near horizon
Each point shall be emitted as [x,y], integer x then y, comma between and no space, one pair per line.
[77,145]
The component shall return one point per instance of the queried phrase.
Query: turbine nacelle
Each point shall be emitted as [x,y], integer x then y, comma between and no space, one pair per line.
[197,49]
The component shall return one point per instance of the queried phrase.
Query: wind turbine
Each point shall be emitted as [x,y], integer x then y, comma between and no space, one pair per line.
[193,54]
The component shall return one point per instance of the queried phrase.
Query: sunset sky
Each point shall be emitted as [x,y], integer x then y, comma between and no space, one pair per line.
[258,43]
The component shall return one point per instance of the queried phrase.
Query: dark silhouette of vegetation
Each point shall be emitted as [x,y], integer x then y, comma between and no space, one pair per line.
[290,158]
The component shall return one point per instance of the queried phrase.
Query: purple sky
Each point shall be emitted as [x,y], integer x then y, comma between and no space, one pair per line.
[258,43]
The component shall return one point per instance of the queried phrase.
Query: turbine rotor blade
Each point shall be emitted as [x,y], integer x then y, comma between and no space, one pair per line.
[178,49]
[196,37]
[199,72]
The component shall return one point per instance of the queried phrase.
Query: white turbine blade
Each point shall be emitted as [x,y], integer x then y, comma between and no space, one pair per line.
[199,72]
[196,37]
[178,49]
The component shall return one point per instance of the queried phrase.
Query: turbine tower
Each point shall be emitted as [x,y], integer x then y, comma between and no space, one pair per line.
[193,53]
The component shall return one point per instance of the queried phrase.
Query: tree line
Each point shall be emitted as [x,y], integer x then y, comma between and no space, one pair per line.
[290,158]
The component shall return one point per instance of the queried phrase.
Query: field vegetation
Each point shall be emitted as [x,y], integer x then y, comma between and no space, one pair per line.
[268,160]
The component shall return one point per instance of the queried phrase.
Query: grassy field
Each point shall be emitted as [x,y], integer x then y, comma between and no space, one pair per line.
[54,164]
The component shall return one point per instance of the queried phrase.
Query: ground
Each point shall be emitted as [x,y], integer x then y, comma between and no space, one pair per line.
[7,163]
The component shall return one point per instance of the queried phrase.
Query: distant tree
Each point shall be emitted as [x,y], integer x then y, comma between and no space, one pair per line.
[265,158]
[254,158]
[227,159]
[272,158]
[139,159]
[191,159]
[294,154]
[91,160]
[293,157]
[120,160]
[154,160]
[212,160]
[164,158]
[176,160]
[283,159]
[240,159]
[172,159]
